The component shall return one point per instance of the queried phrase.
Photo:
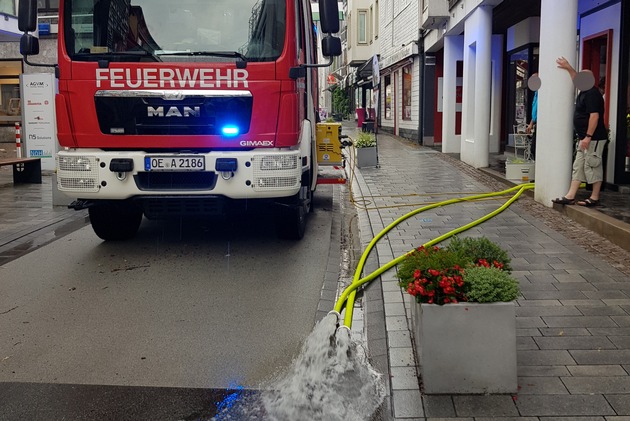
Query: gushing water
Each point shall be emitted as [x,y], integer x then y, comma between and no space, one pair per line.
[330,380]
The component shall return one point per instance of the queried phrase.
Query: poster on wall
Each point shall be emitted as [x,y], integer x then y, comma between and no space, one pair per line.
[38,116]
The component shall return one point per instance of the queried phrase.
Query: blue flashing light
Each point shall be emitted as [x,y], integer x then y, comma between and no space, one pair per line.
[230,131]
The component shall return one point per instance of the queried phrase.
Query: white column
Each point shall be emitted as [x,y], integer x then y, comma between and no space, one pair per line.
[555,100]
[477,98]
[452,53]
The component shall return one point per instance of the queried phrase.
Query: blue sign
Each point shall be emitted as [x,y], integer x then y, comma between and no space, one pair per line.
[44,28]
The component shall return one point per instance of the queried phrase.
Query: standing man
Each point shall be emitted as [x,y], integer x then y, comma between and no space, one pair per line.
[588,123]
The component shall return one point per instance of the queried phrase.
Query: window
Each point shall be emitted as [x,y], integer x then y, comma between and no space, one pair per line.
[8,7]
[406,93]
[362,19]
[48,5]
[370,23]
[10,109]
[376,21]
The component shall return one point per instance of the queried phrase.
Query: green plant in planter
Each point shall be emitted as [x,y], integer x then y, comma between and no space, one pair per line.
[441,275]
[365,140]
[475,249]
[489,285]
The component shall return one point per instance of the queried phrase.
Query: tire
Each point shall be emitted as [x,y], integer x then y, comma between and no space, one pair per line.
[115,222]
[291,222]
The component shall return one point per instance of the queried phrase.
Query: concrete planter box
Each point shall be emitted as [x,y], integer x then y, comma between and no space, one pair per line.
[366,157]
[523,172]
[466,348]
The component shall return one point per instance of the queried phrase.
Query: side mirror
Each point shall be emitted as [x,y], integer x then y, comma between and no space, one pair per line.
[29,45]
[331,46]
[27,15]
[328,16]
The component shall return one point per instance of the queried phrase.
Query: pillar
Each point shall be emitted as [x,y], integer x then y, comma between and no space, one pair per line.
[554,144]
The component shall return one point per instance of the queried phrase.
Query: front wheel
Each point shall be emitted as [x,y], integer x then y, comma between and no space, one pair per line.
[291,222]
[114,222]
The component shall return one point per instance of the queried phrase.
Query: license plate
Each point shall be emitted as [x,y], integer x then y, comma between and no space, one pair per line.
[175,163]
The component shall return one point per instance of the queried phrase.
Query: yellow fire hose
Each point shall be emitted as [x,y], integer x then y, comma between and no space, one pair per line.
[348,295]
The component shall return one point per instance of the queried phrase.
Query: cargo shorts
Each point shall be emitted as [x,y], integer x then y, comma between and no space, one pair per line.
[587,166]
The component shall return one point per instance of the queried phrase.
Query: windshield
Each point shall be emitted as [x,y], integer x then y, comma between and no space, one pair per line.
[182,30]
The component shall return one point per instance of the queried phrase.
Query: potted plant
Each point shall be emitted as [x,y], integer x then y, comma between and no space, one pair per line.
[365,149]
[463,316]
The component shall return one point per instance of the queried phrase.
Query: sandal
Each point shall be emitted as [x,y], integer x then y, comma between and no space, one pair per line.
[589,203]
[564,201]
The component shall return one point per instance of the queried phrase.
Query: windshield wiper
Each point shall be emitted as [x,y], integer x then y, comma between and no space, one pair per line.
[241,63]
[109,54]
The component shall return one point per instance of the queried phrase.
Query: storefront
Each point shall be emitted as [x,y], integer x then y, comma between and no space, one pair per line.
[622,139]
[400,92]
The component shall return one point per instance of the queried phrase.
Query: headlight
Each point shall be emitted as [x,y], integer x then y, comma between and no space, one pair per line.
[279,162]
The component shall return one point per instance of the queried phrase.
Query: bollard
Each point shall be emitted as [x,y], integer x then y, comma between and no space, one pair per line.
[18,141]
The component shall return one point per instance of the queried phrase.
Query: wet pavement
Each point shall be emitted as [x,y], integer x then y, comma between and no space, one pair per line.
[573,318]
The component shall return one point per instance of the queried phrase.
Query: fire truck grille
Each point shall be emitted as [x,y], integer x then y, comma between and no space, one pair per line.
[160,208]
[176,181]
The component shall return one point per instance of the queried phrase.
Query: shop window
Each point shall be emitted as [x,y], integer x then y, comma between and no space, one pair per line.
[10,108]
[8,7]
[406,93]
[388,97]
[48,6]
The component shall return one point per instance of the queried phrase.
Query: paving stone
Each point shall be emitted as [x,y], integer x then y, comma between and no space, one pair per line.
[438,406]
[401,357]
[399,339]
[538,303]
[541,385]
[547,311]
[485,406]
[620,403]
[404,378]
[554,295]
[407,404]
[529,322]
[525,342]
[622,321]
[564,331]
[563,405]
[614,331]
[605,357]
[542,371]
[527,332]
[574,342]
[596,370]
[602,311]
[572,418]
[545,357]
[597,385]
[621,342]
[579,321]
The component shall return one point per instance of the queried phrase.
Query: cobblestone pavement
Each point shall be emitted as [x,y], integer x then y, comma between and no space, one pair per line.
[573,319]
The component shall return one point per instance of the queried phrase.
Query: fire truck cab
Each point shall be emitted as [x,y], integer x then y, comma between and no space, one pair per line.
[185,108]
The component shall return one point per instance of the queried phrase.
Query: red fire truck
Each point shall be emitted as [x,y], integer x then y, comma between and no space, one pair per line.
[176,108]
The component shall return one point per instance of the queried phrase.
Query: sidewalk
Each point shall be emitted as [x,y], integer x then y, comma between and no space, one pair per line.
[28,220]
[573,319]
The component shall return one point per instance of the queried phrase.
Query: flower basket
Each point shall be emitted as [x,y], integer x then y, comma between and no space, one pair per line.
[466,348]
[365,150]
[463,317]
[366,157]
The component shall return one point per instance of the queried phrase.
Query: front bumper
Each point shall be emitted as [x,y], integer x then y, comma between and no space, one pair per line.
[88,174]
